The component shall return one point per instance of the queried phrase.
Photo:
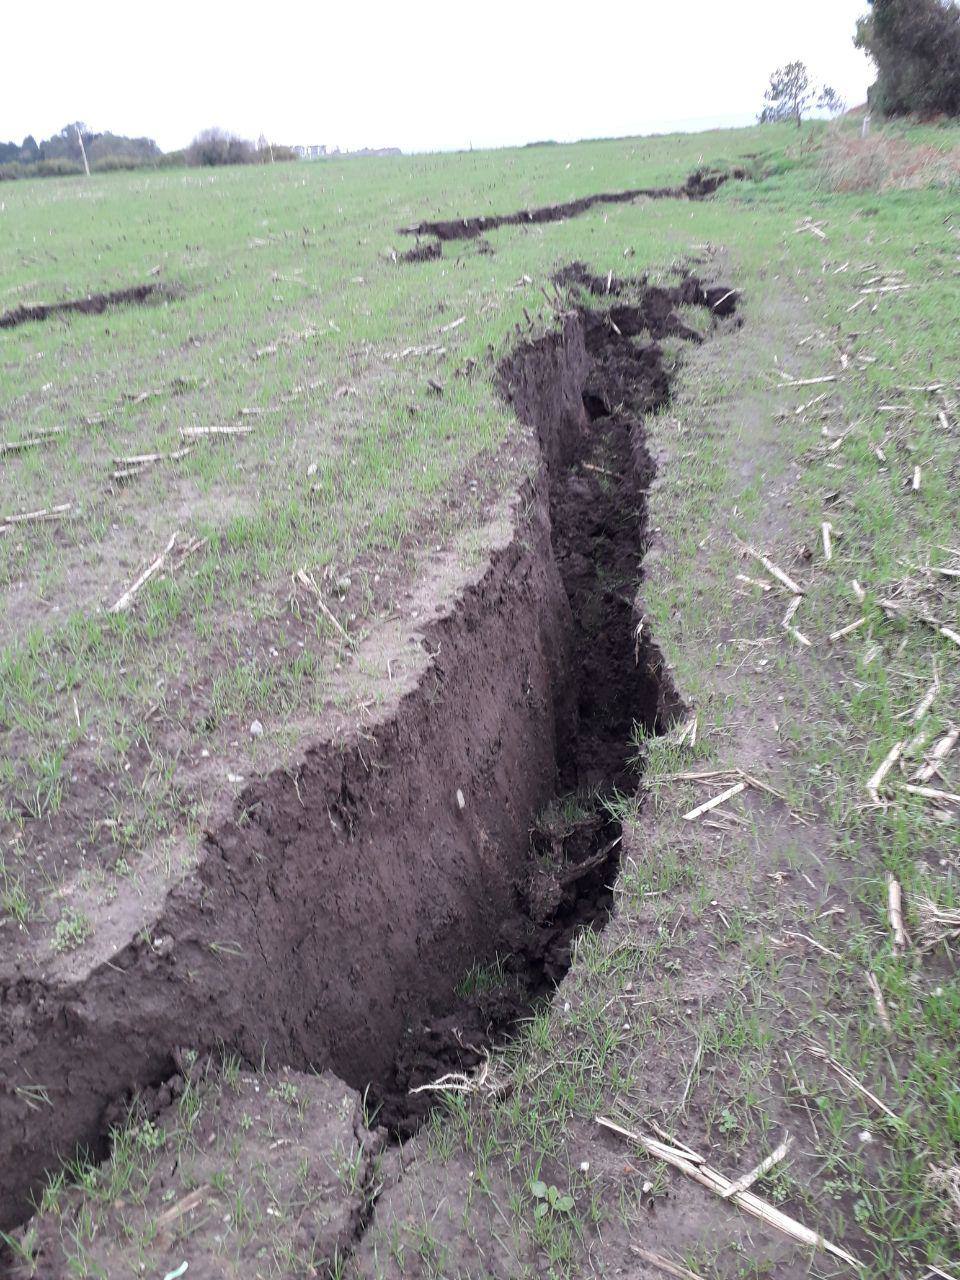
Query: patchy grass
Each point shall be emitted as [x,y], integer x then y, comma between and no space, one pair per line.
[748,981]
[885,162]
[298,326]
[230,1171]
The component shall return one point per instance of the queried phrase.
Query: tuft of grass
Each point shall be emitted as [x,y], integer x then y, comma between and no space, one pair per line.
[71,931]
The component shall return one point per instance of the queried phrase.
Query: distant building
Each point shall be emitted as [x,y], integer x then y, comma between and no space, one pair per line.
[319,151]
[375,151]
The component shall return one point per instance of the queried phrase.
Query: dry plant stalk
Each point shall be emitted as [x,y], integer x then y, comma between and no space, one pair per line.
[746,1180]
[198,433]
[189,1202]
[754,582]
[44,514]
[880,1003]
[792,608]
[809,382]
[819,1052]
[848,630]
[826,531]
[889,760]
[716,1182]
[128,597]
[717,800]
[895,913]
[933,793]
[664,1264]
[927,701]
[938,754]
[776,572]
[306,580]
[800,638]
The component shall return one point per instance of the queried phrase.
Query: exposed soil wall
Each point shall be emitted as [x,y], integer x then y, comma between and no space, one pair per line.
[345,894]
[336,909]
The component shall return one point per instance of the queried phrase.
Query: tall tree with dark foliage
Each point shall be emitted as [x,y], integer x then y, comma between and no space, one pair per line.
[916,46]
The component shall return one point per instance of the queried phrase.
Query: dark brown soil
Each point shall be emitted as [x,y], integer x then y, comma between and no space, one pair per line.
[698,186]
[655,304]
[340,905]
[423,251]
[92,305]
[596,476]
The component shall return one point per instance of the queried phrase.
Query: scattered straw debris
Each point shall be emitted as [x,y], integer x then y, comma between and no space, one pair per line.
[935,924]
[129,596]
[775,571]
[664,1264]
[694,1167]
[944,1181]
[38,517]
[819,1052]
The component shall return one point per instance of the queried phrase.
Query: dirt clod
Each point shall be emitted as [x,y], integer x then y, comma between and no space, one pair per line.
[423,251]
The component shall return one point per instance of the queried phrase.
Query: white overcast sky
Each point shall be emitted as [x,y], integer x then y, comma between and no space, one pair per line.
[419,76]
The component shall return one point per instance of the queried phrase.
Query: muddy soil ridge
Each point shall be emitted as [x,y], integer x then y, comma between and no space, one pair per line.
[339,905]
[93,304]
[698,186]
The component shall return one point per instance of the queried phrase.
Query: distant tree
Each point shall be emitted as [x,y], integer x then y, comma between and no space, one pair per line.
[916,47]
[217,146]
[62,153]
[112,150]
[830,101]
[792,95]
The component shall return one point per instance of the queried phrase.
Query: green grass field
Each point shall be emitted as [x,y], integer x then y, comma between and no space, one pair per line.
[735,946]
[292,322]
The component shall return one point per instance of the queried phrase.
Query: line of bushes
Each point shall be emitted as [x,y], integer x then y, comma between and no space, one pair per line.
[62,155]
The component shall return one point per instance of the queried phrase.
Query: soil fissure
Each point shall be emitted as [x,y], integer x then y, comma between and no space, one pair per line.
[389,908]
[93,304]
[699,185]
